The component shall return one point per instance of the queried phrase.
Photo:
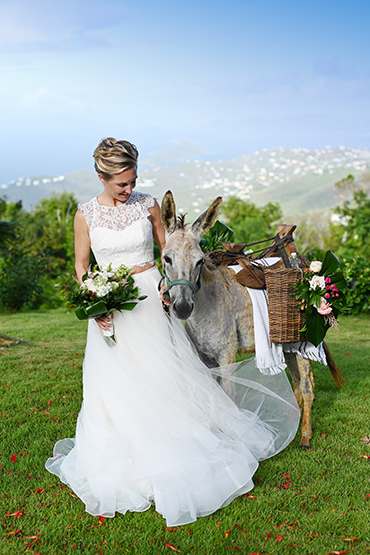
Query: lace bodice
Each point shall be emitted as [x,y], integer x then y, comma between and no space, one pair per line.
[121,234]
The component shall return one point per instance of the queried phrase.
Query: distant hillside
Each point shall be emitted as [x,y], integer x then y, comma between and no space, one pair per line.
[299,179]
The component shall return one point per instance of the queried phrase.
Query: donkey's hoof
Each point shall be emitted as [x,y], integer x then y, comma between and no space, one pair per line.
[304,447]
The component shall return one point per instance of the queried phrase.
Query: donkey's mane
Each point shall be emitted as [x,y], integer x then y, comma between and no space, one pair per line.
[181,221]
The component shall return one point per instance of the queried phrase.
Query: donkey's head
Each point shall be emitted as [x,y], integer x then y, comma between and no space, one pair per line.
[183,258]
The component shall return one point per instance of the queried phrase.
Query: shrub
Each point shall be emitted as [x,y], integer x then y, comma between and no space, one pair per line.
[357,271]
[21,275]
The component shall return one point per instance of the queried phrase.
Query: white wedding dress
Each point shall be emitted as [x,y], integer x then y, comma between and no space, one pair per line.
[155,427]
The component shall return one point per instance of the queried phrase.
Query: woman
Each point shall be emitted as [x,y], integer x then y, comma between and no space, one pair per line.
[154,427]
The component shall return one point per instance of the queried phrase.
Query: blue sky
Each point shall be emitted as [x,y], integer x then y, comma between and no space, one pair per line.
[212,78]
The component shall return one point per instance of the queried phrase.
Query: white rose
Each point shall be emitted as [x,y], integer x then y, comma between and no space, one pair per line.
[317,281]
[90,285]
[316,266]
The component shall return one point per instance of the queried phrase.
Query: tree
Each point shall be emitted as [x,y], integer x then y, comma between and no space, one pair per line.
[346,188]
[39,255]
[351,231]
[249,222]
[50,226]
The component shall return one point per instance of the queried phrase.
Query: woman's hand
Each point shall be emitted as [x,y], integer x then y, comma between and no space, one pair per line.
[104,322]
[165,300]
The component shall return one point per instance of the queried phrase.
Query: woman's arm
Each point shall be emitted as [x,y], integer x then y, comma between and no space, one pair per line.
[82,245]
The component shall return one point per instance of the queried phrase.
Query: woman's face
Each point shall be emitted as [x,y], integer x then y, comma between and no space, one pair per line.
[120,186]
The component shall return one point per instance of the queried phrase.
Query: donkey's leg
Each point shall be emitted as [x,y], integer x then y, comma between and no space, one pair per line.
[291,361]
[303,382]
[227,357]
[307,389]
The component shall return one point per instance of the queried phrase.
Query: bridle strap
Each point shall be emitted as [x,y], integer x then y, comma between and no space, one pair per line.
[170,283]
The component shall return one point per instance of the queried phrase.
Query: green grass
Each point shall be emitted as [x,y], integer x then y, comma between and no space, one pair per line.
[314,501]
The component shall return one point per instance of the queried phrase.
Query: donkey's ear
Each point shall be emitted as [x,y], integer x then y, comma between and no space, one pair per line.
[207,219]
[168,212]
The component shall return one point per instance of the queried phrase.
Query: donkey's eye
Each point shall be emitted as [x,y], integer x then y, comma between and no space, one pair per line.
[201,261]
[167,259]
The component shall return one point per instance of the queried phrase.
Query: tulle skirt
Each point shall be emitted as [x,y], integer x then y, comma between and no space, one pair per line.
[155,427]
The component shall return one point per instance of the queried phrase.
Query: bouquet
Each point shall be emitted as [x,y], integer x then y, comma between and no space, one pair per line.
[321,293]
[104,291]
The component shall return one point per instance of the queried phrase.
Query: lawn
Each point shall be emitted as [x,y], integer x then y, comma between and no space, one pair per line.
[304,502]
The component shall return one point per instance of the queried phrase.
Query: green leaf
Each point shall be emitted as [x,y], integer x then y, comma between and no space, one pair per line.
[81,313]
[128,306]
[218,234]
[316,328]
[330,264]
[96,309]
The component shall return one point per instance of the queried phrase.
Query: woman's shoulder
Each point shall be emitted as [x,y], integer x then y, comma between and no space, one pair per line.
[88,210]
[87,205]
[144,199]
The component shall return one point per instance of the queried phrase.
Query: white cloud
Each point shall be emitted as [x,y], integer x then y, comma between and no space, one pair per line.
[55,25]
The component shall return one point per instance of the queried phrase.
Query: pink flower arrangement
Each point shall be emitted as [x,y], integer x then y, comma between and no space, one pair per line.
[321,294]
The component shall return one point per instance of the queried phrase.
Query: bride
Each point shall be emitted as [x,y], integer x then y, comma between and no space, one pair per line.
[154,426]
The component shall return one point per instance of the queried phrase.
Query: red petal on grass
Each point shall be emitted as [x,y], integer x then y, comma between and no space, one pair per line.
[287,476]
[364,456]
[250,496]
[14,458]
[72,495]
[172,547]
[268,535]
[12,533]
[227,534]
[324,435]
[101,518]
[279,538]
[368,495]
[337,552]
[350,540]
[19,513]
[48,403]
[347,354]
[39,490]
[218,523]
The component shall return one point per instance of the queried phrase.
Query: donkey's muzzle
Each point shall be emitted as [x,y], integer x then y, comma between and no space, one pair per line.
[182,309]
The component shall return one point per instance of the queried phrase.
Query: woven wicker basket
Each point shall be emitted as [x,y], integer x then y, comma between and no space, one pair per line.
[285,321]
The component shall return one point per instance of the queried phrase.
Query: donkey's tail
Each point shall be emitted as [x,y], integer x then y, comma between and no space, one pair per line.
[335,372]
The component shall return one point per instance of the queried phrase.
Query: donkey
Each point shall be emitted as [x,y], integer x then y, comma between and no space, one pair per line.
[216,308]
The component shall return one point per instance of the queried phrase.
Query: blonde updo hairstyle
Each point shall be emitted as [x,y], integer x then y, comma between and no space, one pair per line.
[113,157]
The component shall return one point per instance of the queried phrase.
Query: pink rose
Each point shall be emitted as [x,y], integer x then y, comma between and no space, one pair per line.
[327,295]
[327,280]
[324,308]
